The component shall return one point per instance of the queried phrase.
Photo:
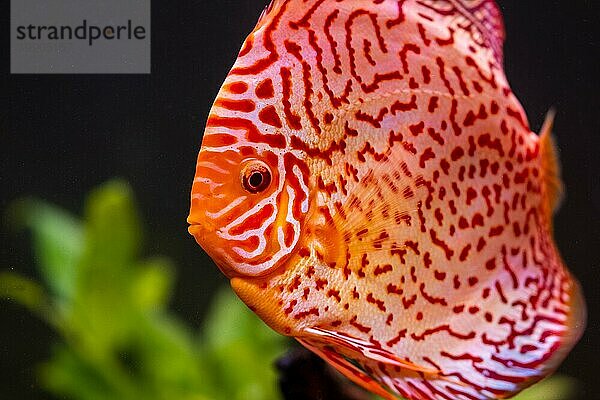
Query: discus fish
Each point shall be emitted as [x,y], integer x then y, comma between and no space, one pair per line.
[370,184]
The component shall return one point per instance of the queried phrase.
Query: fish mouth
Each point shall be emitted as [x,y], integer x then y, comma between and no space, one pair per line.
[195,219]
[202,231]
[200,227]
[196,230]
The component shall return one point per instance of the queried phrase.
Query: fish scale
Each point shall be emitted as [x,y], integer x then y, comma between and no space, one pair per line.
[405,230]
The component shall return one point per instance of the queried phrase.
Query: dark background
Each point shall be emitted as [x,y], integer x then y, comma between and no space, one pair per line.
[61,135]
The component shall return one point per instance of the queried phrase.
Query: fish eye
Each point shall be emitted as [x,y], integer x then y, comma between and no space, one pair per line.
[256,177]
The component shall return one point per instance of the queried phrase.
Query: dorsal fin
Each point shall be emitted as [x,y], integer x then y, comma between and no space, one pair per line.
[270,7]
[551,166]
[486,16]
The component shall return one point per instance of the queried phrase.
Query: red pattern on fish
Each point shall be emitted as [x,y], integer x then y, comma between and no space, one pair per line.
[370,185]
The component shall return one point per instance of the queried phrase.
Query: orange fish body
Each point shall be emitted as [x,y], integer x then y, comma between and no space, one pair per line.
[370,185]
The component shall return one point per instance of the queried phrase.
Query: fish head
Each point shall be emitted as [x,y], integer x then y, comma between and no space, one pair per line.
[247,205]
[253,199]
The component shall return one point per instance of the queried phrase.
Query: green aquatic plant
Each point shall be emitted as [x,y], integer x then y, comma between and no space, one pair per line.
[119,340]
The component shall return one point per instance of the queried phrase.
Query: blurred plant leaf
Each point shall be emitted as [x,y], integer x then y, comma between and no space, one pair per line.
[243,348]
[153,284]
[57,242]
[556,387]
[101,313]
[27,293]
[66,374]
[112,230]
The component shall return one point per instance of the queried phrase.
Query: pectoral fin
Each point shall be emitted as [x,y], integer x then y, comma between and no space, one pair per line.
[551,167]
